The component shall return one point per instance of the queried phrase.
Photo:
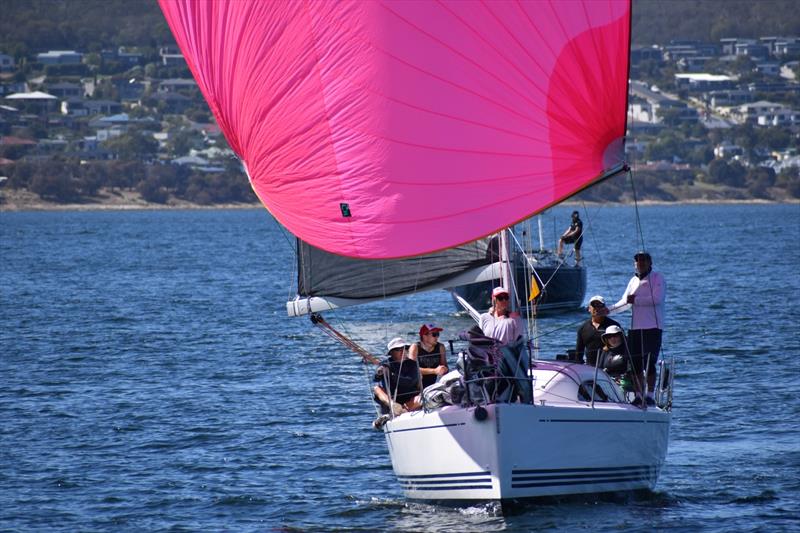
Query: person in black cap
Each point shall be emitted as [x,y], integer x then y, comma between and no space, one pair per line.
[645,296]
[589,341]
[572,235]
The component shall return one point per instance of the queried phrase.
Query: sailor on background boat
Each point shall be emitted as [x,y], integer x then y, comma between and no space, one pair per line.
[572,235]
[589,341]
[645,296]
[499,322]
[430,354]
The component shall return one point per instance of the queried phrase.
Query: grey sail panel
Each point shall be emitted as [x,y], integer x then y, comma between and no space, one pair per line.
[322,274]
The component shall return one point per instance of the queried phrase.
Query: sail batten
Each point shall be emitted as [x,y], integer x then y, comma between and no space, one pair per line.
[434,123]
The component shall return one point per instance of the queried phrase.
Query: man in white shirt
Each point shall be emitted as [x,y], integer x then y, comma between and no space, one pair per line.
[500,324]
[645,295]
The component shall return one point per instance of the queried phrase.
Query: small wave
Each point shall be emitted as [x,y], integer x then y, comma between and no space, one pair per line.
[765,496]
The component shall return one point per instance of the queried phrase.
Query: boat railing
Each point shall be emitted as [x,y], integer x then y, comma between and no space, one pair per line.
[497,388]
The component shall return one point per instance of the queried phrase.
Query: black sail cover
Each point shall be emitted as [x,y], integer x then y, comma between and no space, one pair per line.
[326,275]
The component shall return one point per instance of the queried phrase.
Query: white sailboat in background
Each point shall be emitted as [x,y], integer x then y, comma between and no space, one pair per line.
[385,135]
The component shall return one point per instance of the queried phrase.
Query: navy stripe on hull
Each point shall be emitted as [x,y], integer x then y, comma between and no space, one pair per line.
[427,427]
[581,476]
[620,421]
[451,481]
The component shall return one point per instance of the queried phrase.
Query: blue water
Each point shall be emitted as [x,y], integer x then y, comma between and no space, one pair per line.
[150,380]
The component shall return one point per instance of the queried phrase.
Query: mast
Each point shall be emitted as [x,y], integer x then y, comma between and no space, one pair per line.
[506,275]
[541,232]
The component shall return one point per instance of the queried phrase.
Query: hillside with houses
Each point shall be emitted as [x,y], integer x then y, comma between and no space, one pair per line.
[113,116]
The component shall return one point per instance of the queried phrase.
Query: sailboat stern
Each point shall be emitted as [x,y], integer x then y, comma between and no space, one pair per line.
[527,451]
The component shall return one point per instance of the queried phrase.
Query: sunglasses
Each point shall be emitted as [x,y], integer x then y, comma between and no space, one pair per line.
[501,298]
[434,334]
[597,305]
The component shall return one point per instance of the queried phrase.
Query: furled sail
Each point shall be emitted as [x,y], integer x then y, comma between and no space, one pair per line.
[393,129]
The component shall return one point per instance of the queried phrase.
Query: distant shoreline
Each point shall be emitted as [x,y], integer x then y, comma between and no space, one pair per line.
[18,201]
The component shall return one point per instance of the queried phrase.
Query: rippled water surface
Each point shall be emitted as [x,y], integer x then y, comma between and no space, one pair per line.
[149,378]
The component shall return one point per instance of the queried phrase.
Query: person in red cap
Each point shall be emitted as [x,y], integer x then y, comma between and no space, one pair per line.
[430,354]
[499,323]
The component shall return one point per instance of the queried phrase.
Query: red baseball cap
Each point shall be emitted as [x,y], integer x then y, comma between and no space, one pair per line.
[428,328]
[499,290]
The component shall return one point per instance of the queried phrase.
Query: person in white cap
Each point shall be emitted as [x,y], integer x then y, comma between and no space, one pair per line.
[397,380]
[588,342]
[615,357]
[499,323]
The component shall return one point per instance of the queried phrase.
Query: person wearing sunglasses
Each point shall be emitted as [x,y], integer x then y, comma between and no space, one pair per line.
[499,322]
[397,380]
[430,354]
[588,342]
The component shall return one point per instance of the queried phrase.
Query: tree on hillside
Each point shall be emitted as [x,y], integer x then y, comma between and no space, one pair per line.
[133,145]
[724,173]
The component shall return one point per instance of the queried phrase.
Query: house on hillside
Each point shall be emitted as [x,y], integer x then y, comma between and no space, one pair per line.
[7,63]
[185,85]
[768,68]
[727,98]
[34,102]
[78,107]
[787,46]
[171,103]
[65,90]
[129,89]
[171,56]
[60,57]
[129,57]
[701,82]
[751,48]
[728,150]
[764,113]
[650,107]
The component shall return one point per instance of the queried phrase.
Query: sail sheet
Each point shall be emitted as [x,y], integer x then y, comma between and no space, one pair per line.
[393,129]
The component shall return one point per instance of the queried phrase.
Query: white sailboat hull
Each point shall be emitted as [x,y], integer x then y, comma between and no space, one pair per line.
[524,451]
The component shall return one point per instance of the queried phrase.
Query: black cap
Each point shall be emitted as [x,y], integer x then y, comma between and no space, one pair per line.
[645,255]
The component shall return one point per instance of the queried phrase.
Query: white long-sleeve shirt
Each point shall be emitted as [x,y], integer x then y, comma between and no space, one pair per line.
[503,329]
[648,307]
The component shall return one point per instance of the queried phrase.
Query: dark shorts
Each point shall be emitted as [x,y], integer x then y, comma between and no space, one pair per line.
[578,242]
[645,347]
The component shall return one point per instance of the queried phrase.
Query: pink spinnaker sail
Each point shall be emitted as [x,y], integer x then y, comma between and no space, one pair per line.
[377,129]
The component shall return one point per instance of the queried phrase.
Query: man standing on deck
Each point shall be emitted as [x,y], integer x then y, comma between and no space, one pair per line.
[645,295]
[572,235]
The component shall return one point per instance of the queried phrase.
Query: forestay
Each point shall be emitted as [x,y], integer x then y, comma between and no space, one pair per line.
[395,129]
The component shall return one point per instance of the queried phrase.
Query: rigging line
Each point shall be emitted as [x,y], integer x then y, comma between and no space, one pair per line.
[596,245]
[568,325]
[640,234]
[293,246]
